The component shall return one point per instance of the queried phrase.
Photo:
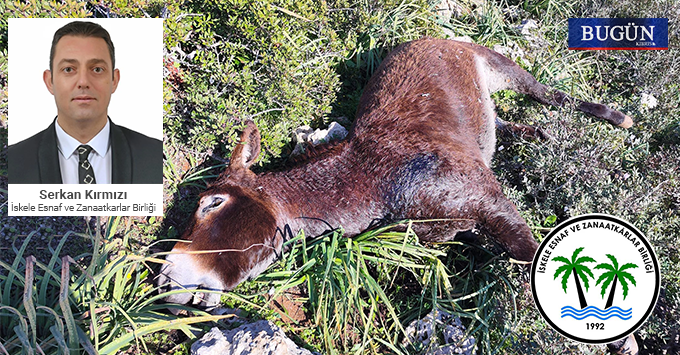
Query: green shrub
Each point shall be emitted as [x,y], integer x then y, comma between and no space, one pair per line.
[277,64]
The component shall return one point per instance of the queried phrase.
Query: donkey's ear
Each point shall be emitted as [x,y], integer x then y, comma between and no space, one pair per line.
[248,149]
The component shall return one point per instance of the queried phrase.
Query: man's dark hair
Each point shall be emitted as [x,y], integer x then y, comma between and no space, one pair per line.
[83,29]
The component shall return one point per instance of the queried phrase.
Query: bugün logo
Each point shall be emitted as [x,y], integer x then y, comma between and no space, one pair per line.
[629,32]
[595,278]
[618,33]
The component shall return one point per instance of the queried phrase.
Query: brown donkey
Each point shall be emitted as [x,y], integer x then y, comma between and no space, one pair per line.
[420,148]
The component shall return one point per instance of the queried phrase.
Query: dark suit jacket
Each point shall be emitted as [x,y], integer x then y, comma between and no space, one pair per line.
[135,158]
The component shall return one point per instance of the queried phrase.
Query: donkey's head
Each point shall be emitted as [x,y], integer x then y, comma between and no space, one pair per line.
[231,236]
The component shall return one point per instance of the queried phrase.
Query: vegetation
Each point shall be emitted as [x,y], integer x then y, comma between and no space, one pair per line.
[289,63]
[363,291]
[96,302]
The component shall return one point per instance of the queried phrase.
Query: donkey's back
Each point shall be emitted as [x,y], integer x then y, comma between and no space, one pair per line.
[437,93]
[427,118]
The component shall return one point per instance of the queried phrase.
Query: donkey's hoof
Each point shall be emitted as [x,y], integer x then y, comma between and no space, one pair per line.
[625,346]
[627,122]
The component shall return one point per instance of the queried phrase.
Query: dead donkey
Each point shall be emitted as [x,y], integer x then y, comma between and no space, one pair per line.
[420,148]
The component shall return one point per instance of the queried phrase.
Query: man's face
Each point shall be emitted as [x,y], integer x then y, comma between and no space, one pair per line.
[82,79]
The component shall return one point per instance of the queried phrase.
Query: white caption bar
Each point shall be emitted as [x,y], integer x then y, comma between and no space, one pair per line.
[85,200]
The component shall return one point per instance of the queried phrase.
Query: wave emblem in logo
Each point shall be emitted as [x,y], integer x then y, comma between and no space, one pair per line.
[595,278]
[592,311]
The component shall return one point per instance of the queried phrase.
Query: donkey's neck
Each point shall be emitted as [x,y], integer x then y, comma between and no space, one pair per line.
[326,192]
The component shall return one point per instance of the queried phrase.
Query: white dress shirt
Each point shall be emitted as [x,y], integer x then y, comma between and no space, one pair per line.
[99,158]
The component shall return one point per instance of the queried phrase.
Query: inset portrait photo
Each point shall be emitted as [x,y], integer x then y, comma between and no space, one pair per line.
[85,101]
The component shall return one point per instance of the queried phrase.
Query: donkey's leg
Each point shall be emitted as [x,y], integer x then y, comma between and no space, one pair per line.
[521,130]
[547,95]
[477,195]
[499,217]
[502,74]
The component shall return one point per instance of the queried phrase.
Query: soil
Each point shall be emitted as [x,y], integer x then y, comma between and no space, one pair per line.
[289,306]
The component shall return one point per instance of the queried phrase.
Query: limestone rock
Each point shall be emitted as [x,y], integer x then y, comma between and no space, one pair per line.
[259,338]
[527,27]
[334,132]
[302,132]
[305,136]
[512,51]
[440,333]
[447,9]
[648,101]
[531,31]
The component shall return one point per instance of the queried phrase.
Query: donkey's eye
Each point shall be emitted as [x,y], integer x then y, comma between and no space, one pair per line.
[211,203]
[215,202]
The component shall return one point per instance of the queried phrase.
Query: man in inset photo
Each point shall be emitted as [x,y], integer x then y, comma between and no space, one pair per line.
[83,145]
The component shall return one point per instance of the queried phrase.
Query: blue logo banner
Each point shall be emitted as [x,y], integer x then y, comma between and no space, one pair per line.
[618,33]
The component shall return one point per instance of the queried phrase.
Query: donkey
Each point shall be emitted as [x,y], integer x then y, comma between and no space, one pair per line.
[420,148]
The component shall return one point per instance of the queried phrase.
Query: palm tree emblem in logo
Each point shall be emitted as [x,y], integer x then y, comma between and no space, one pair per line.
[580,271]
[613,272]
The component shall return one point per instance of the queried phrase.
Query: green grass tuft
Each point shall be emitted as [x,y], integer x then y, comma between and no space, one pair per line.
[97,302]
[363,291]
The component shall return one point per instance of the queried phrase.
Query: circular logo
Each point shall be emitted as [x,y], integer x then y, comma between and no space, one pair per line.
[595,278]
